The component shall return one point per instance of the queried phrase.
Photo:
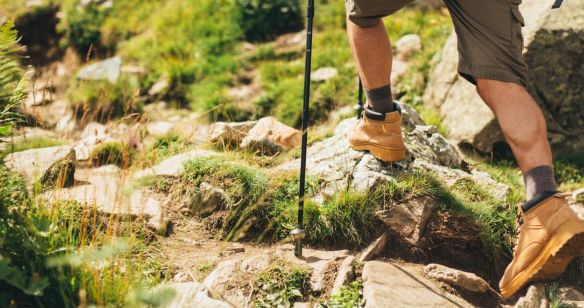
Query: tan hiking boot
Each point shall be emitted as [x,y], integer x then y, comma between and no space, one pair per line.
[380,134]
[550,236]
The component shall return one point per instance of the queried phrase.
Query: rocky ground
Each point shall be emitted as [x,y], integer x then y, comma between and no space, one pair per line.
[432,230]
[208,271]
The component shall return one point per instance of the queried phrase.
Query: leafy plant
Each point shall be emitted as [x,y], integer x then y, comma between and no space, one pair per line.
[281,285]
[349,296]
[12,82]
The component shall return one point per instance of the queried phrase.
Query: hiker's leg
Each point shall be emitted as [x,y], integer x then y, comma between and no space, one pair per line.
[521,121]
[372,53]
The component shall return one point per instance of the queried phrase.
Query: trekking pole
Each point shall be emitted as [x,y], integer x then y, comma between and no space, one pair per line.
[360,102]
[298,234]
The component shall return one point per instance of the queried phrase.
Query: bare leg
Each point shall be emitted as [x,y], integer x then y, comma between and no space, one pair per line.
[372,52]
[521,121]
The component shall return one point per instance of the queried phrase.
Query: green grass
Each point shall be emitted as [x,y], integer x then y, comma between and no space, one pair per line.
[61,254]
[281,285]
[164,146]
[112,153]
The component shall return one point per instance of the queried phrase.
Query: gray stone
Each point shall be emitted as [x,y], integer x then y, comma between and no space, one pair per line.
[385,283]
[324,74]
[211,199]
[464,280]
[35,163]
[535,298]
[104,191]
[222,273]
[408,219]
[159,87]
[470,122]
[374,248]
[270,136]
[229,133]
[159,128]
[194,295]
[344,275]
[173,166]
[407,45]
[398,69]
[426,143]
[571,297]
[257,263]
[108,69]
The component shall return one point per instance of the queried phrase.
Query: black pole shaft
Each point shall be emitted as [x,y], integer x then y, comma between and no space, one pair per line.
[360,99]
[305,117]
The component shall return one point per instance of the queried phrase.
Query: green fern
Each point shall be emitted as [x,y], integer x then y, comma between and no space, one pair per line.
[12,81]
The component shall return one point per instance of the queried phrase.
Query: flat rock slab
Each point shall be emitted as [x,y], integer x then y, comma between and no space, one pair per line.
[103,188]
[35,162]
[464,280]
[195,295]
[173,166]
[400,286]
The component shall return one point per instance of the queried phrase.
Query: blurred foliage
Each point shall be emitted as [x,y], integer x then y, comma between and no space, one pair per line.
[263,20]
[12,81]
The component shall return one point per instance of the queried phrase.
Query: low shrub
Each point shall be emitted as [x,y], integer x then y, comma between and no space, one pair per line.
[263,20]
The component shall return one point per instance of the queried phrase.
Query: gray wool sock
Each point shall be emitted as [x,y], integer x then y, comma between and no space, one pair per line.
[539,179]
[380,99]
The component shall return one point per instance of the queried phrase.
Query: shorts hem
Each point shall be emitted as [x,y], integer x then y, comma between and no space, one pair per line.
[470,73]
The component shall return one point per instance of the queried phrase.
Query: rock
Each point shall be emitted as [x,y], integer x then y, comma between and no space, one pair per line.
[211,199]
[410,118]
[43,163]
[221,274]
[578,196]
[426,143]
[374,248]
[108,69]
[409,219]
[464,280]
[103,189]
[229,133]
[470,122]
[194,295]
[344,275]
[173,166]
[159,128]
[407,45]
[93,135]
[398,69]
[385,283]
[60,174]
[340,167]
[160,87]
[324,74]
[257,263]
[535,298]
[269,136]
[571,297]
[302,305]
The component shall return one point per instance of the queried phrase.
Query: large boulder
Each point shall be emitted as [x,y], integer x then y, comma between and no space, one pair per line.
[270,136]
[402,286]
[554,41]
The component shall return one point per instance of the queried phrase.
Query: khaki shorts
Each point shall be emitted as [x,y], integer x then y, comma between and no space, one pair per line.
[490,42]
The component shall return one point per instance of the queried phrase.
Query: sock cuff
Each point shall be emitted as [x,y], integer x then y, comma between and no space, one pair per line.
[381,93]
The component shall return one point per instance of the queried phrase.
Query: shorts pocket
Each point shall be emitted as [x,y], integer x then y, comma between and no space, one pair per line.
[517,14]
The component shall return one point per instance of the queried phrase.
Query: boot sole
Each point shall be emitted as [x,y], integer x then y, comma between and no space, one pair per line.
[559,263]
[383,154]
[569,241]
